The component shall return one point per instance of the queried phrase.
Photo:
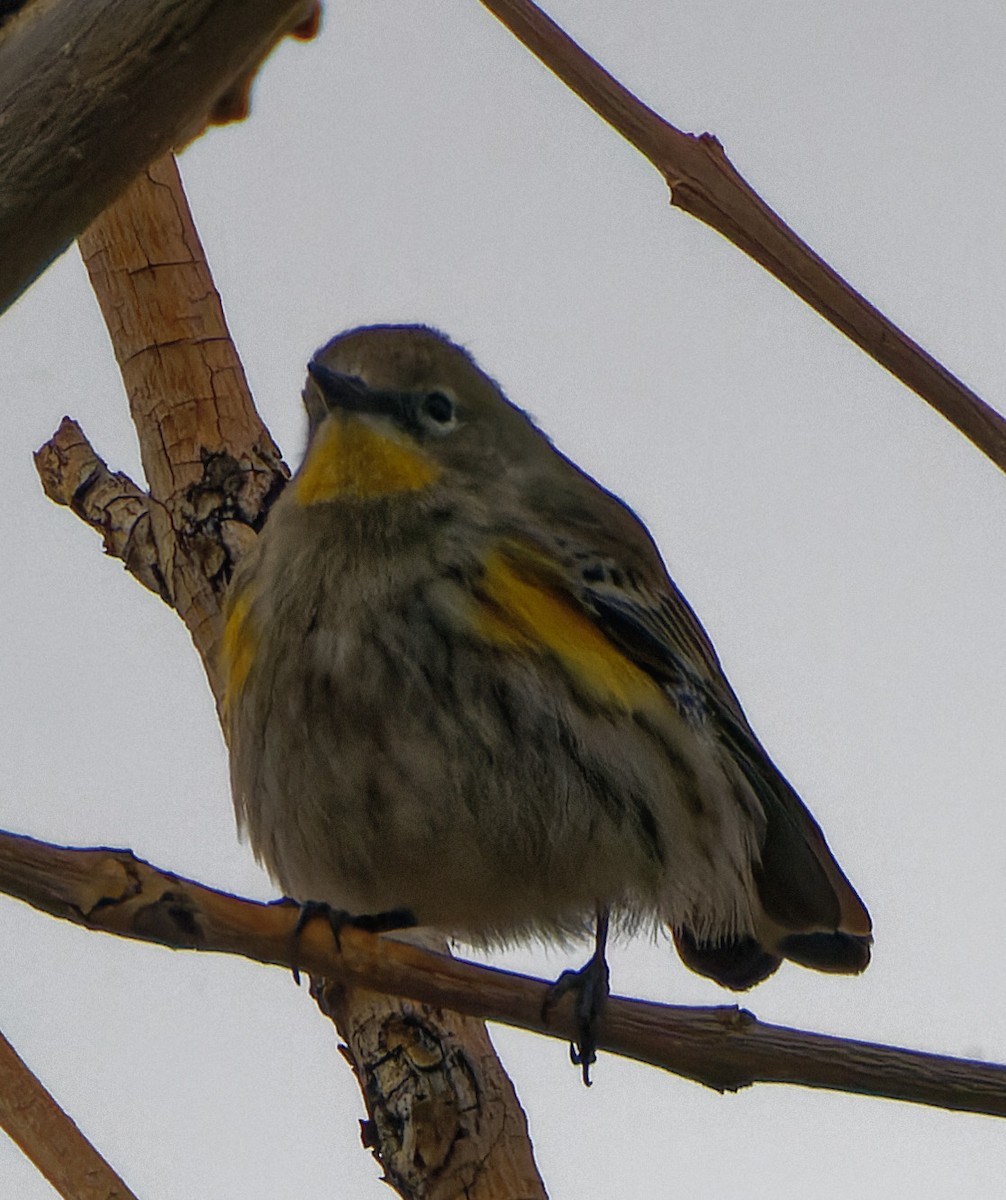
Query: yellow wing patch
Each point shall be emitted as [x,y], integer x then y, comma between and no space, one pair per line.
[521,610]
[348,457]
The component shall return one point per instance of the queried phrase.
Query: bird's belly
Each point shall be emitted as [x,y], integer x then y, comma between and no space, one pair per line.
[415,770]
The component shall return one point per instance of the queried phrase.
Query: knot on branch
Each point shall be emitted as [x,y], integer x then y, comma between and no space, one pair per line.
[218,515]
[427,1107]
[183,549]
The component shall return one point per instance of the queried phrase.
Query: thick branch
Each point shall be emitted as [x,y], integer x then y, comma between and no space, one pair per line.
[213,471]
[91,93]
[49,1138]
[704,183]
[726,1048]
[210,462]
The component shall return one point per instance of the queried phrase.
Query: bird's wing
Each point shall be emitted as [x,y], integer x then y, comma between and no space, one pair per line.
[651,624]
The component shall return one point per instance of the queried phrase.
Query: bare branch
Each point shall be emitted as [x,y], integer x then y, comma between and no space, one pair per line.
[725,1048]
[73,474]
[49,1138]
[704,183]
[212,465]
[91,93]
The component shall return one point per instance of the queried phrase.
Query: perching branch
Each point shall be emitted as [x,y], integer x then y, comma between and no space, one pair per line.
[726,1048]
[704,183]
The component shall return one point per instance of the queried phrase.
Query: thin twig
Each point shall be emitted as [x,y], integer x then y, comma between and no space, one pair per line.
[704,183]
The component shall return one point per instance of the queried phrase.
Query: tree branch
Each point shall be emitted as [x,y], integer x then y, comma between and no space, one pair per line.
[211,464]
[726,1048]
[33,1120]
[704,183]
[126,517]
[92,93]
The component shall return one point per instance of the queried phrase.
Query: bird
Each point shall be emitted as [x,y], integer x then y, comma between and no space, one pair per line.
[462,690]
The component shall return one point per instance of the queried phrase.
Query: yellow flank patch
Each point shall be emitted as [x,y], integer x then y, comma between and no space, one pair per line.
[524,612]
[237,649]
[348,457]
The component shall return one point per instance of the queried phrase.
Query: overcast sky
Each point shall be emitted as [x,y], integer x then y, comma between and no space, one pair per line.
[843,545]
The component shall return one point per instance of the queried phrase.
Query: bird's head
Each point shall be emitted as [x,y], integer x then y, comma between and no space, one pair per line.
[400,408]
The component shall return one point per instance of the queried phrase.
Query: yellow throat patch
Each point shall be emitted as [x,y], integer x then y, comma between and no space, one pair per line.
[349,457]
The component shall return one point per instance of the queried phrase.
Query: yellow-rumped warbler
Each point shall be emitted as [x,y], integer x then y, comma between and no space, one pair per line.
[461,683]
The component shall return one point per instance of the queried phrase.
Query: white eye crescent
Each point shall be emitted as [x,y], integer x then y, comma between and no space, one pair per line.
[439,410]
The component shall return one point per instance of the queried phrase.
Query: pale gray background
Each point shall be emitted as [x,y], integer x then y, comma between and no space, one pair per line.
[842,543]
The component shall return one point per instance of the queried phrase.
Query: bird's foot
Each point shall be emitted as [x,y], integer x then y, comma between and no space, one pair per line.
[339,919]
[591,990]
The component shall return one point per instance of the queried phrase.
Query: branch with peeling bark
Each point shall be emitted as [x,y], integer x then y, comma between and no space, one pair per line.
[72,474]
[211,465]
[726,1048]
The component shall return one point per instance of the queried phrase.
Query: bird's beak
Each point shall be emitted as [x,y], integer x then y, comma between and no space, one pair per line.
[350,393]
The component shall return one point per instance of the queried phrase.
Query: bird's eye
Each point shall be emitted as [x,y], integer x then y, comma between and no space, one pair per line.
[438,407]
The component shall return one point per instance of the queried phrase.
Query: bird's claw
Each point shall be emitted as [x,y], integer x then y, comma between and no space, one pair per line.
[339,919]
[590,988]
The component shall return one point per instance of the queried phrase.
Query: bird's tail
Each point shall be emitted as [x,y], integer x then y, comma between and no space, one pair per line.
[807,911]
